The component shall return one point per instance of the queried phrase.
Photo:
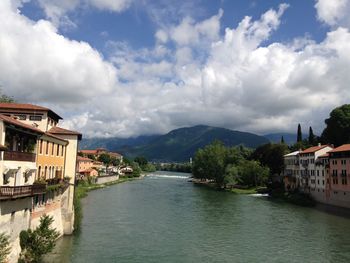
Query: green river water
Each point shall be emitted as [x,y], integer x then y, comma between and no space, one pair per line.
[165,218]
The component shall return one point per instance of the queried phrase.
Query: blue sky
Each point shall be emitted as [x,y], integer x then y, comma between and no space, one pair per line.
[137,25]
[127,68]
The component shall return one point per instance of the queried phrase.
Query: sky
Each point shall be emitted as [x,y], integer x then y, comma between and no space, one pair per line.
[124,68]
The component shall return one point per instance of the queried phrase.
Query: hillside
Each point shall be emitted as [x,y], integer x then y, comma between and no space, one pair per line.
[177,145]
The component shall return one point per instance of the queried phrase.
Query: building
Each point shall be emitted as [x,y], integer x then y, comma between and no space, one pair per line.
[95,154]
[291,171]
[307,165]
[318,183]
[86,167]
[339,176]
[38,163]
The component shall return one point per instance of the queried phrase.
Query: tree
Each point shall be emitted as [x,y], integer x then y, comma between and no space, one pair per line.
[282,139]
[105,158]
[299,134]
[38,242]
[251,173]
[4,247]
[337,129]
[311,136]
[6,99]
[142,161]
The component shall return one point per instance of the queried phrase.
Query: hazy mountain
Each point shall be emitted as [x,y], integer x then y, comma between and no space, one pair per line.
[177,145]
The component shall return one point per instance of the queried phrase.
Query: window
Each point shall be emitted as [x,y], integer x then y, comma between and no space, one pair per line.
[62,152]
[45,173]
[21,117]
[35,118]
[58,150]
[52,148]
[39,172]
[41,146]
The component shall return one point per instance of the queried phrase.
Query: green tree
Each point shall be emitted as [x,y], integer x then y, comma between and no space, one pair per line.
[337,129]
[105,158]
[311,139]
[38,242]
[251,173]
[271,155]
[210,163]
[115,161]
[142,161]
[4,247]
[6,99]
[299,134]
[282,139]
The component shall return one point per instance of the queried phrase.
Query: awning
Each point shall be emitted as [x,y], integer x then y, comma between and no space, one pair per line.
[30,168]
[11,168]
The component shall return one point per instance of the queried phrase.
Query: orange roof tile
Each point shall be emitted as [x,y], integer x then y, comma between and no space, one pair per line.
[313,149]
[10,120]
[23,106]
[80,158]
[58,130]
[342,148]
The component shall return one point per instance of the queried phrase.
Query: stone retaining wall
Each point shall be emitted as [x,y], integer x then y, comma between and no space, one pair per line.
[106,179]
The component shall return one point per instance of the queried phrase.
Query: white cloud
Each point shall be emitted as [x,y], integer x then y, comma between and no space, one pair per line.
[334,12]
[40,65]
[58,10]
[233,80]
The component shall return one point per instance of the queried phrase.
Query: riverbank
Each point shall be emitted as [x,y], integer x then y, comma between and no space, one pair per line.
[82,190]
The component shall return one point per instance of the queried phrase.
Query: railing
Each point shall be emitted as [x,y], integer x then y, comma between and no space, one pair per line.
[19,156]
[21,191]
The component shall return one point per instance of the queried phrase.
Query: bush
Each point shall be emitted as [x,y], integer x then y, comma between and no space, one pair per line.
[38,242]
[4,247]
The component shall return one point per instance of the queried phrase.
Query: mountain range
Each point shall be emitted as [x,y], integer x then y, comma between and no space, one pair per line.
[178,145]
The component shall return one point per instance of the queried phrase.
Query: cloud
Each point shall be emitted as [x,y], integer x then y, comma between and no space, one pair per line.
[333,12]
[234,80]
[58,10]
[39,65]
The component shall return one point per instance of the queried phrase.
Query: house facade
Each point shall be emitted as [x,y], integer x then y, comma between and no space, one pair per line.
[38,166]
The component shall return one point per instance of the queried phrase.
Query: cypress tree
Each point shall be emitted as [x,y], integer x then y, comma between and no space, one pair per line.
[282,139]
[311,136]
[299,134]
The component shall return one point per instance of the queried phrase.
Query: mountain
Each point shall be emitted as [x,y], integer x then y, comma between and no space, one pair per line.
[181,144]
[289,138]
[115,143]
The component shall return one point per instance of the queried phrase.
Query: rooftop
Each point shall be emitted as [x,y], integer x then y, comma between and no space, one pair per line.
[12,121]
[342,148]
[57,130]
[314,149]
[31,107]
[292,154]
[80,158]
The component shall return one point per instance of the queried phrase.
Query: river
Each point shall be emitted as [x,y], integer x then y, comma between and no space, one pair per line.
[164,218]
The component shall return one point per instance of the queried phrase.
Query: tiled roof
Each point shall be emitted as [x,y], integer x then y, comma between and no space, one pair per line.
[342,148]
[80,158]
[55,137]
[23,106]
[10,120]
[313,149]
[58,130]
[88,151]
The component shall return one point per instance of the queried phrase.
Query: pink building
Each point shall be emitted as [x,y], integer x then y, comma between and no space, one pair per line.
[339,178]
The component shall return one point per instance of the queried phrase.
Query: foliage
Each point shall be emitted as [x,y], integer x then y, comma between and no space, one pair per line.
[105,158]
[312,138]
[142,161]
[299,134]
[337,129]
[271,155]
[38,242]
[92,157]
[6,99]
[228,166]
[115,161]
[174,167]
[4,247]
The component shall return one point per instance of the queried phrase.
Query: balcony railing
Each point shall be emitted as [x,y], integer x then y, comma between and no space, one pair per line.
[21,191]
[19,156]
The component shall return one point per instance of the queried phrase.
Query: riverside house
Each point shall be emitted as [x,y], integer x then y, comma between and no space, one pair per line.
[38,164]
[85,167]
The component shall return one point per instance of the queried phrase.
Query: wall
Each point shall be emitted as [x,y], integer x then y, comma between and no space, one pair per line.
[106,179]
[15,217]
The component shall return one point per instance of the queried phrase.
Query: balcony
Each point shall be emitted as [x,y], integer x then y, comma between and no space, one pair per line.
[11,192]
[19,156]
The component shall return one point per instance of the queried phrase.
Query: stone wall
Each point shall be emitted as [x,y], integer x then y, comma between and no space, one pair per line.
[106,179]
